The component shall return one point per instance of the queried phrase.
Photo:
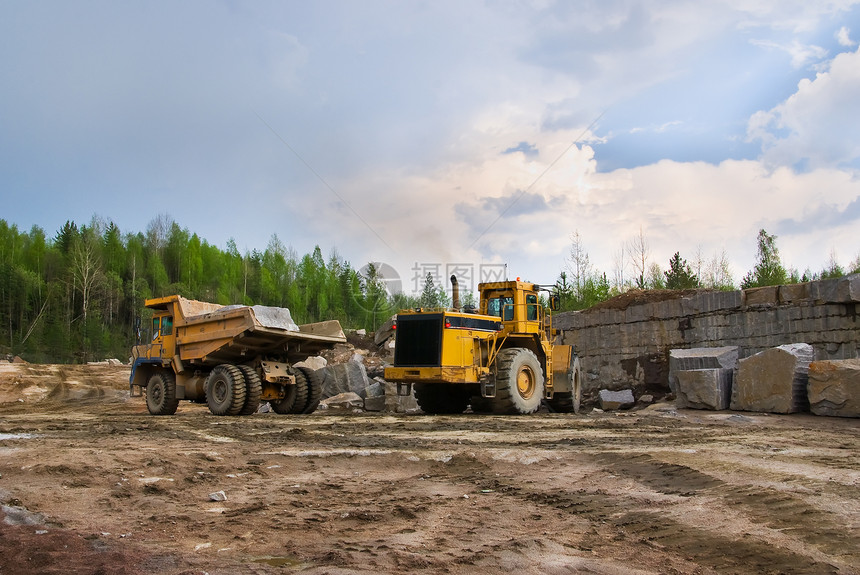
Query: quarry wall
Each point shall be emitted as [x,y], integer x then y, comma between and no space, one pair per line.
[629,348]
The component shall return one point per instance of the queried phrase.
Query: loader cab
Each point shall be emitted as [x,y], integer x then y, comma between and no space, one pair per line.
[515,303]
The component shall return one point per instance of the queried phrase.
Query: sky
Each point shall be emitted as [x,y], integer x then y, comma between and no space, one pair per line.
[442,136]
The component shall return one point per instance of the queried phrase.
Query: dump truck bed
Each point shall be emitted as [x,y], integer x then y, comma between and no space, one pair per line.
[210,334]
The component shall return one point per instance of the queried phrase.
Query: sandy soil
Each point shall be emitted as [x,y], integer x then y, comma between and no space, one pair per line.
[90,483]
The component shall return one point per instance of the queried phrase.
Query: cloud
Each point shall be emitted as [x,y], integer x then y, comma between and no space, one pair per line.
[817,125]
[802,55]
[843,36]
[825,216]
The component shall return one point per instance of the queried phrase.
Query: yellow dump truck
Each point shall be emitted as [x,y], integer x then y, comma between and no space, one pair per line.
[231,357]
[503,357]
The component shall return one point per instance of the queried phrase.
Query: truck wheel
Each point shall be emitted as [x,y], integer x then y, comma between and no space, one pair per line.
[441,398]
[519,382]
[568,401]
[225,390]
[253,390]
[301,402]
[161,394]
[285,406]
[314,389]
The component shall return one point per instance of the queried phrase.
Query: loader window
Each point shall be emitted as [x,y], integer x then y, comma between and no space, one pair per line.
[531,307]
[501,305]
[155,330]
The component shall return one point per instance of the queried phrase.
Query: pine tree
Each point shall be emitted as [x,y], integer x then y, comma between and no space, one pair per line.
[680,275]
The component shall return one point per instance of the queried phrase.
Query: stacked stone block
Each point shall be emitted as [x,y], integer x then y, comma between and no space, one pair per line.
[725,357]
[625,348]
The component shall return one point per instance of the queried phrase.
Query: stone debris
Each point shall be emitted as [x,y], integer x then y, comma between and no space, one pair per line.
[647,398]
[700,358]
[315,363]
[834,387]
[346,400]
[774,380]
[611,400]
[218,496]
[704,389]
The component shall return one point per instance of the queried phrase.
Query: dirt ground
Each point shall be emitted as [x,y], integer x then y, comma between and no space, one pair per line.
[90,483]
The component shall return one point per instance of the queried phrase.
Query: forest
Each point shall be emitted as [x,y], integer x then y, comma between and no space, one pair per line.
[78,296]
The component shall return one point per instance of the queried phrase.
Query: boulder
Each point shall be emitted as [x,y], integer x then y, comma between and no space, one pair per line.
[704,388]
[773,380]
[700,358]
[375,403]
[385,331]
[344,377]
[834,387]
[610,400]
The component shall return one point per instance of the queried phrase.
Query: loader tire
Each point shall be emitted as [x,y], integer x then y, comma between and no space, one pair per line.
[225,390]
[314,389]
[253,390]
[519,382]
[301,387]
[568,401]
[161,394]
[441,398]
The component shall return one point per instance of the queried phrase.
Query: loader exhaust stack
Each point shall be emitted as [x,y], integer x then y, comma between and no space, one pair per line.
[455,292]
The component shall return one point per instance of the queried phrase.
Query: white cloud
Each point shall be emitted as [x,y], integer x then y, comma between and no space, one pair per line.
[843,36]
[802,55]
[819,123]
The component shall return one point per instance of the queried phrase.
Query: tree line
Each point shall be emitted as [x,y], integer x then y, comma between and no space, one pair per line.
[581,285]
[78,296]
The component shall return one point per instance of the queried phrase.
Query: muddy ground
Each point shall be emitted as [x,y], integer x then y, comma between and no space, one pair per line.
[90,483]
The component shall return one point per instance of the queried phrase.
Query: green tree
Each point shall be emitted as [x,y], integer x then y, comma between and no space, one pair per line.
[768,270]
[680,275]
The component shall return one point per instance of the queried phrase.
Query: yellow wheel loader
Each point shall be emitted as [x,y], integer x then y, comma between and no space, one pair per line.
[500,358]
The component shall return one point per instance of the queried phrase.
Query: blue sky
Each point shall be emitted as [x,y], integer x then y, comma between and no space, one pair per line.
[440,133]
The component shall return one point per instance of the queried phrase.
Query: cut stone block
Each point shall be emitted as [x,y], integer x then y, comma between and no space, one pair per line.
[773,380]
[700,358]
[834,387]
[704,389]
[610,400]
[767,296]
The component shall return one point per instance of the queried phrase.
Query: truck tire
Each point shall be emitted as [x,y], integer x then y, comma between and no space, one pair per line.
[253,390]
[225,390]
[161,394]
[442,398]
[519,382]
[285,405]
[569,401]
[314,389]
[301,387]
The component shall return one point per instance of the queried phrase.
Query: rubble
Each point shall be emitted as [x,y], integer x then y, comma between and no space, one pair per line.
[773,380]
[347,400]
[834,387]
